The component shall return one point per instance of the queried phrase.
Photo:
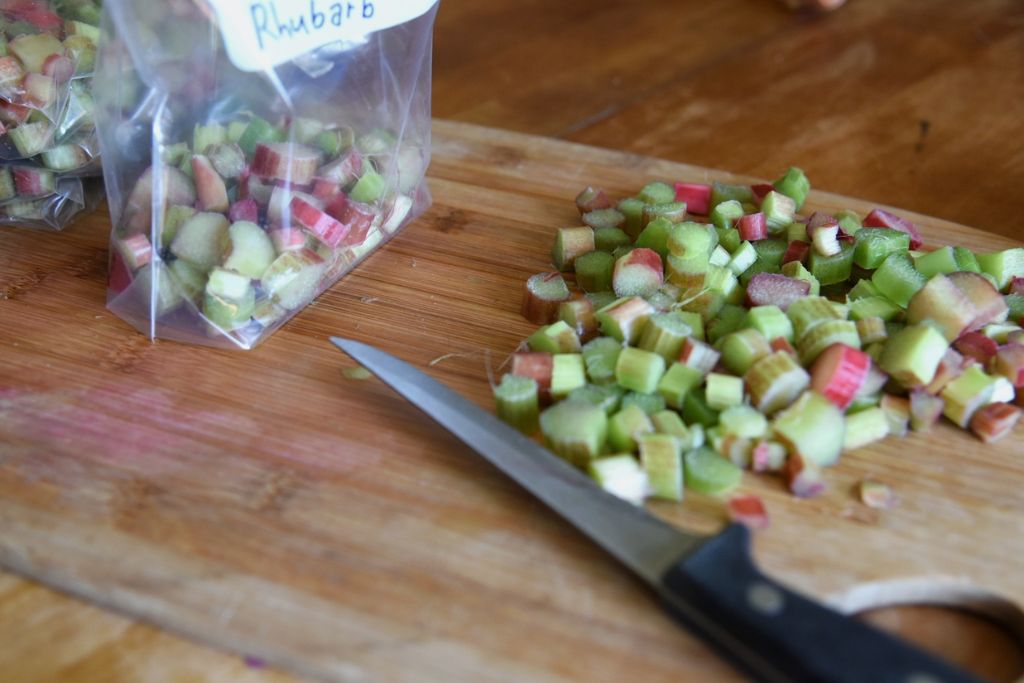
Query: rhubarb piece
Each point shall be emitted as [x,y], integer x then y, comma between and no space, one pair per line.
[770,321]
[213,195]
[608,397]
[665,334]
[591,199]
[950,367]
[177,190]
[977,346]
[309,215]
[33,49]
[728,320]
[741,349]
[723,391]
[294,278]
[839,373]
[966,394]
[369,188]
[749,511]
[625,318]
[657,193]
[945,305]
[542,294]
[250,251]
[638,273]
[357,218]
[897,412]
[649,403]
[994,421]
[344,170]
[333,142]
[135,250]
[766,289]
[207,135]
[666,298]
[157,289]
[662,459]
[778,210]
[604,219]
[794,184]
[7,188]
[820,337]
[796,252]
[579,315]
[294,164]
[767,456]
[897,278]
[696,410]
[812,428]
[728,239]
[966,261]
[1008,362]
[1003,265]
[567,374]
[724,192]
[726,214]
[610,239]
[865,427]
[639,370]
[33,182]
[626,426]
[912,356]
[875,494]
[668,422]
[191,281]
[575,431]
[990,304]
[938,262]
[227,159]
[600,357]
[698,355]
[202,240]
[230,299]
[633,210]
[880,218]
[536,366]
[824,236]
[696,196]
[753,227]
[396,214]
[173,220]
[288,239]
[710,473]
[258,131]
[872,247]
[742,258]
[244,210]
[925,410]
[64,157]
[741,421]
[775,381]
[557,337]
[569,244]
[621,476]
[655,236]
[798,272]
[31,138]
[782,344]
[879,308]
[831,270]
[594,271]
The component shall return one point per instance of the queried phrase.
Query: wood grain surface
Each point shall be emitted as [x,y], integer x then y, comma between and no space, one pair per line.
[912,103]
[264,503]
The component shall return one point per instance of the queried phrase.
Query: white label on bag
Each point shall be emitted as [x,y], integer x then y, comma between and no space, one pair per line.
[260,34]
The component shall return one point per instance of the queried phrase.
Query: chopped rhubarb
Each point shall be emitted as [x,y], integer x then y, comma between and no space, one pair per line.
[839,373]
[749,511]
[213,195]
[697,197]
[990,304]
[638,273]
[542,295]
[1009,363]
[950,367]
[925,410]
[766,289]
[994,421]
[592,199]
[977,346]
[535,365]
[329,229]
[288,239]
[295,164]
[879,218]
[945,305]
[699,355]
[752,227]
[136,251]
[244,210]
[797,251]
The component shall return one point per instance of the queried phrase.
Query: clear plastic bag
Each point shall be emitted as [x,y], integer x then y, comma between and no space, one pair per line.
[247,170]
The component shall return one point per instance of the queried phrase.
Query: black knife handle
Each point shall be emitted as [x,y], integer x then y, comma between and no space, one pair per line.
[778,635]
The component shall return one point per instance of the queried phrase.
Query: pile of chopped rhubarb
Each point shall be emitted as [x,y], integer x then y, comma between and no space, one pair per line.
[717,329]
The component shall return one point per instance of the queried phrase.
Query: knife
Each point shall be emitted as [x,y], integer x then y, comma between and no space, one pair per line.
[710,583]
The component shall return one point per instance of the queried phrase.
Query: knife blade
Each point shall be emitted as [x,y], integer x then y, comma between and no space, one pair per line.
[708,582]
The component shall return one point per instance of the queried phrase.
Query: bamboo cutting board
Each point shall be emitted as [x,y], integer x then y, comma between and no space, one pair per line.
[267,503]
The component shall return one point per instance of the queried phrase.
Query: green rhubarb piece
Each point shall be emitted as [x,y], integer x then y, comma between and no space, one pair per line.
[708,472]
[633,210]
[610,239]
[687,272]
[649,403]
[601,299]
[723,391]
[966,260]
[778,210]
[332,142]
[251,251]
[304,130]
[579,315]
[674,212]
[657,193]
[692,240]
[742,258]
[664,334]
[625,318]
[574,430]
[234,131]
[697,411]
[7,188]
[797,271]
[639,370]
[771,251]
[720,257]
[30,138]
[813,428]
[865,426]
[377,142]
[557,337]
[770,321]
[1003,266]
[258,130]
[729,239]
[32,49]
[873,245]
[849,221]
[664,299]
[567,374]
[202,239]
[662,458]
[625,426]
[722,280]
[370,187]
[809,312]
[724,192]
[695,322]
[830,270]
[822,336]
[62,157]
[168,295]
[600,356]
[621,476]
[191,281]
[207,134]
[594,271]
[1015,304]
[744,422]
[516,402]
[230,299]
[872,331]
[570,243]
[966,394]
[1000,332]
[607,396]
[706,304]
[669,422]
[861,403]
[912,355]
[743,348]
[795,185]
[775,381]
[677,382]
[724,215]
[604,219]
[655,236]
[874,307]
[728,320]
[862,290]
[797,232]
[942,260]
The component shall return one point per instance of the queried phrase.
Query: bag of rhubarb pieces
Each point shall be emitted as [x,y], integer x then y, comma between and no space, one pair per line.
[256,152]
[48,146]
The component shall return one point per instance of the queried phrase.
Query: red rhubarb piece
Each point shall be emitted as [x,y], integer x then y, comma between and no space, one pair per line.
[343,170]
[782,344]
[32,182]
[880,218]
[325,188]
[977,346]
[984,296]
[210,188]
[287,239]
[796,251]
[11,113]
[295,164]
[767,289]
[244,210]
[534,364]
[839,373]
[592,199]
[749,511]
[638,273]
[1009,362]
[752,227]
[761,189]
[994,421]
[356,217]
[699,355]
[59,67]
[696,195]
[330,230]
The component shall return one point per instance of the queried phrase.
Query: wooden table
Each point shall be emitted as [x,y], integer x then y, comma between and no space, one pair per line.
[915,104]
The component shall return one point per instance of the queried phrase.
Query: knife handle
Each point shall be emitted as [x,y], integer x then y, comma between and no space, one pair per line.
[778,635]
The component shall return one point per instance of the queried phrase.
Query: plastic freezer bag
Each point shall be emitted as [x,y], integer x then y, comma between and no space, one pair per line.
[255,152]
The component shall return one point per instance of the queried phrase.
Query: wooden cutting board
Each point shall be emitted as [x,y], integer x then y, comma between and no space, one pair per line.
[266,503]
